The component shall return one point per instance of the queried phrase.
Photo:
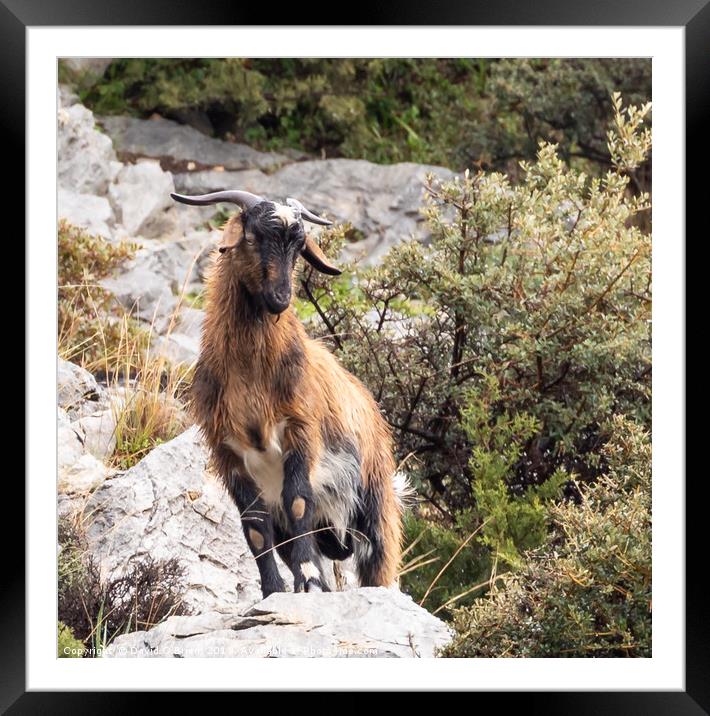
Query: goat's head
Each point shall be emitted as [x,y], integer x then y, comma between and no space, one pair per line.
[264,242]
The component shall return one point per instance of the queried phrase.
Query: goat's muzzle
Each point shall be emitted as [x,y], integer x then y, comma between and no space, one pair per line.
[277,301]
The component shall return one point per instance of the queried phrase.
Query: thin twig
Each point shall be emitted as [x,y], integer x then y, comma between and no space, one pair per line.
[453,557]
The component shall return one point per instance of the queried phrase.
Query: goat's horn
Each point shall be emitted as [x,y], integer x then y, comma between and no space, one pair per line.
[307,215]
[244,198]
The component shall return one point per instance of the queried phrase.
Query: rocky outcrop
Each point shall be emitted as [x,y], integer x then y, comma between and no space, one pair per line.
[87,161]
[168,506]
[150,284]
[101,194]
[75,388]
[366,622]
[179,146]
[88,67]
[380,201]
[78,470]
[85,434]
[141,197]
[93,213]
[182,343]
[97,432]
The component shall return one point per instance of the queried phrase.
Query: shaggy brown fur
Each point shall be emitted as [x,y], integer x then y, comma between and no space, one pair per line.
[259,371]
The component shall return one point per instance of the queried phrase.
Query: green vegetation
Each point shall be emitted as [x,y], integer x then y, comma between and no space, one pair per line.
[452,112]
[511,355]
[500,351]
[93,610]
[534,298]
[587,590]
[68,646]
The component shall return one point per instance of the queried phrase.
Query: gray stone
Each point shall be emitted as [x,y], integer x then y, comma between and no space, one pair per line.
[149,285]
[190,321]
[141,197]
[143,293]
[182,343]
[88,67]
[365,622]
[179,144]
[86,211]
[69,445]
[381,201]
[66,96]
[76,386]
[86,474]
[78,472]
[169,506]
[98,431]
[86,162]
[178,347]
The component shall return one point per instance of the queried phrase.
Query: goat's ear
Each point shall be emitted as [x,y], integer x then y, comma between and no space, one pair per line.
[316,258]
[232,234]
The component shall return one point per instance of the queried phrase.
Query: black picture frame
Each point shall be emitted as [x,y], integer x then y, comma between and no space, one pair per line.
[693,15]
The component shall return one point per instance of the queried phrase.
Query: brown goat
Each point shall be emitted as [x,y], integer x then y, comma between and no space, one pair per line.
[299,441]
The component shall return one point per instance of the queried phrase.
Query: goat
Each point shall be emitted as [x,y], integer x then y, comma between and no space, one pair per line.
[299,442]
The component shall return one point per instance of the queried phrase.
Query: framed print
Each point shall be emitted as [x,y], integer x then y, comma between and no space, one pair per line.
[352,344]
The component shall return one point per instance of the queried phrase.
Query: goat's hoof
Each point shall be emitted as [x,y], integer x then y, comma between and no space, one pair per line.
[313,584]
[316,585]
[268,589]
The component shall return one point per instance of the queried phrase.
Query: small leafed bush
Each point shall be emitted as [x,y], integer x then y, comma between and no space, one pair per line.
[450,112]
[499,352]
[68,646]
[541,289]
[451,565]
[93,611]
[587,591]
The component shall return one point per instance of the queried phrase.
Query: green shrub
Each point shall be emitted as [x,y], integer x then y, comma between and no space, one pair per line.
[511,520]
[433,546]
[453,565]
[543,287]
[455,112]
[561,101]
[68,646]
[587,591]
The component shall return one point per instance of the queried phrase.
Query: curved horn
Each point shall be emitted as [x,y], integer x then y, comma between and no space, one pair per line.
[307,215]
[244,198]
[316,258]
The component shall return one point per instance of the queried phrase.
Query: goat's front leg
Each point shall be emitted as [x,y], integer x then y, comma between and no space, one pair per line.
[297,496]
[259,531]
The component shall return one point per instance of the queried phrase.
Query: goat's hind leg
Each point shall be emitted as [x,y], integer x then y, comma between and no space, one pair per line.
[378,537]
[259,531]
